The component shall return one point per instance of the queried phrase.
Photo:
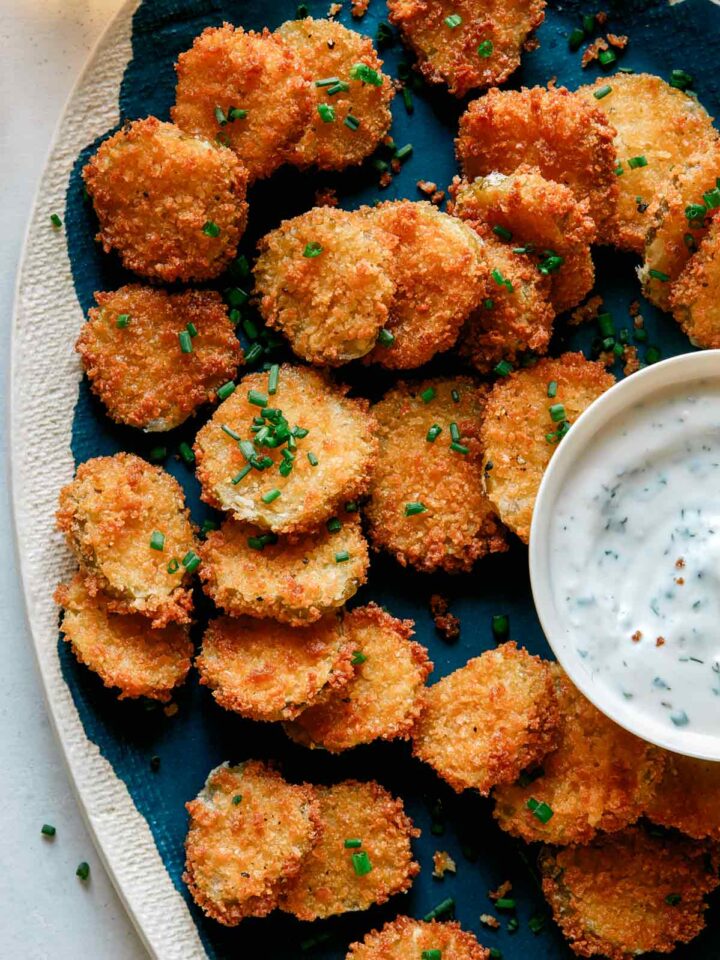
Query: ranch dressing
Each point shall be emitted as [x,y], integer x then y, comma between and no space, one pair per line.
[635,557]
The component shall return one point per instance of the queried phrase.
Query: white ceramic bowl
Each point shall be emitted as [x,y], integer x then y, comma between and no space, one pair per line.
[640,386]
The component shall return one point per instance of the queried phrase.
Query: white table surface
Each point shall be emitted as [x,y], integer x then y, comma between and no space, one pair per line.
[46,912]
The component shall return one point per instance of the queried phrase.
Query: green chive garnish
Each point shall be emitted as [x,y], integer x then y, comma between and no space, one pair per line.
[257,399]
[404,152]
[361,863]
[433,433]
[186,452]
[273,378]
[712,198]
[602,92]
[576,38]
[427,394]
[459,448]
[536,923]
[502,232]
[680,79]
[696,211]
[652,355]
[312,249]
[48,830]
[339,87]
[191,329]
[241,474]
[357,658]
[191,561]
[453,21]
[313,459]
[327,82]
[185,341]
[211,229]
[444,907]
[540,809]
[327,113]
[414,507]
[351,122]
[606,325]
[455,396]
[83,870]
[237,799]
[557,412]
[454,432]
[500,624]
[386,338]
[122,321]
[485,49]
[237,113]
[635,162]
[361,71]
[673,899]
[505,903]
[270,496]
[341,556]
[659,275]
[351,506]
[334,525]
[606,57]
[431,955]
[173,566]
[55,221]
[157,540]
[220,116]
[350,843]
[264,540]
[503,368]
[225,390]
[552,389]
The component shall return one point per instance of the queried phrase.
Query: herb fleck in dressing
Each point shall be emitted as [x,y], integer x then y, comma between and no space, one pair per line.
[635,546]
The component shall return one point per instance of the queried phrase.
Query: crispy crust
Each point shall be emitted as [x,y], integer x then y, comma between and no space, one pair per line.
[123,649]
[384,697]
[405,939]
[295,581]
[610,898]
[139,371]
[437,268]
[331,307]
[257,72]
[327,883]
[447,55]
[269,671]
[154,188]
[688,797]
[342,435]
[517,419]
[325,48]
[555,130]
[459,525]
[239,856]
[658,122]
[600,777]
[489,720]
[695,295]
[108,514]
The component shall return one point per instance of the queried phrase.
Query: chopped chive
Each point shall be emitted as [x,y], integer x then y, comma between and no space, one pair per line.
[635,162]
[191,329]
[696,211]
[454,432]
[237,113]
[551,264]
[254,353]
[256,398]
[366,74]
[673,899]
[334,525]
[220,116]
[327,81]
[327,113]
[557,412]
[351,843]
[237,799]
[380,165]
[540,809]
[357,658]
[427,395]
[503,368]
[513,924]
[606,325]
[83,870]
[341,556]
[488,303]
[536,923]
[351,506]
[273,378]
[619,170]
[453,21]
[211,229]
[404,152]
[680,79]
[270,496]
[459,448]
[602,92]
[264,540]
[122,321]
[384,34]
[485,49]
[48,830]
[496,954]
[652,355]
[385,337]
[659,275]
[588,22]
[173,566]
[301,11]
[312,249]
[339,87]
[431,955]
[455,394]
[236,297]
[606,57]
[433,433]
[552,389]
[576,38]
[361,863]
[225,390]
[313,459]
[186,452]
[157,454]
[191,561]
[712,198]
[502,232]
[55,221]
[505,903]
[157,540]
[444,907]
[185,341]
[500,625]
[233,435]
[351,122]
[241,474]
[414,507]
[408,99]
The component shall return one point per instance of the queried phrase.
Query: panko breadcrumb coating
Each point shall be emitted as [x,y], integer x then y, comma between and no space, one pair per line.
[436,266]
[481,48]
[600,777]
[335,447]
[335,878]
[558,132]
[427,505]
[322,279]
[171,205]
[347,123]
[688,797]
[695,295]
[384,697]
[132,353]
[249,833]
[407,939]
[484,723]
[539,216]
[656,123]
[629,893]
[245,90]
[270,671]
[519,436]
[128,525]
[291,579]
[123,649]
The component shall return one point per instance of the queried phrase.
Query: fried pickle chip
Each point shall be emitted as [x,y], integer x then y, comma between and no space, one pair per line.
[265,670]
[695,295]
[294,580]
[336,877]
[133,354]
[352,109]
[556,131]
[245,90]
[330,441]
[436,266]
[128,525]
[519,436]
[407,939]
[249,833]
[486,722]
[171,205]
[600,777]
[629,893]
[123,649]
[467,43]
[658,127]
[688,797]
[541,218]
[384,697]
[427,506]
[322,279]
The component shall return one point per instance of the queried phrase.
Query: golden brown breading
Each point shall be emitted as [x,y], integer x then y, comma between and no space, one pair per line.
[653,121]
[542,217]
[480,51]
[600,777]
[486,722]
[384,697]
[171,205]
[437,268]
[341,438]
[555,130]
[629,893]
[128,525]
[245,90]
[517,424]
[360,111]
[265,670]
[294,580]
[458,525]
[334,878]
[249,834]
[407,939]
[322,279]
[695,295]
[688,797]
[136,364]
[123,649]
